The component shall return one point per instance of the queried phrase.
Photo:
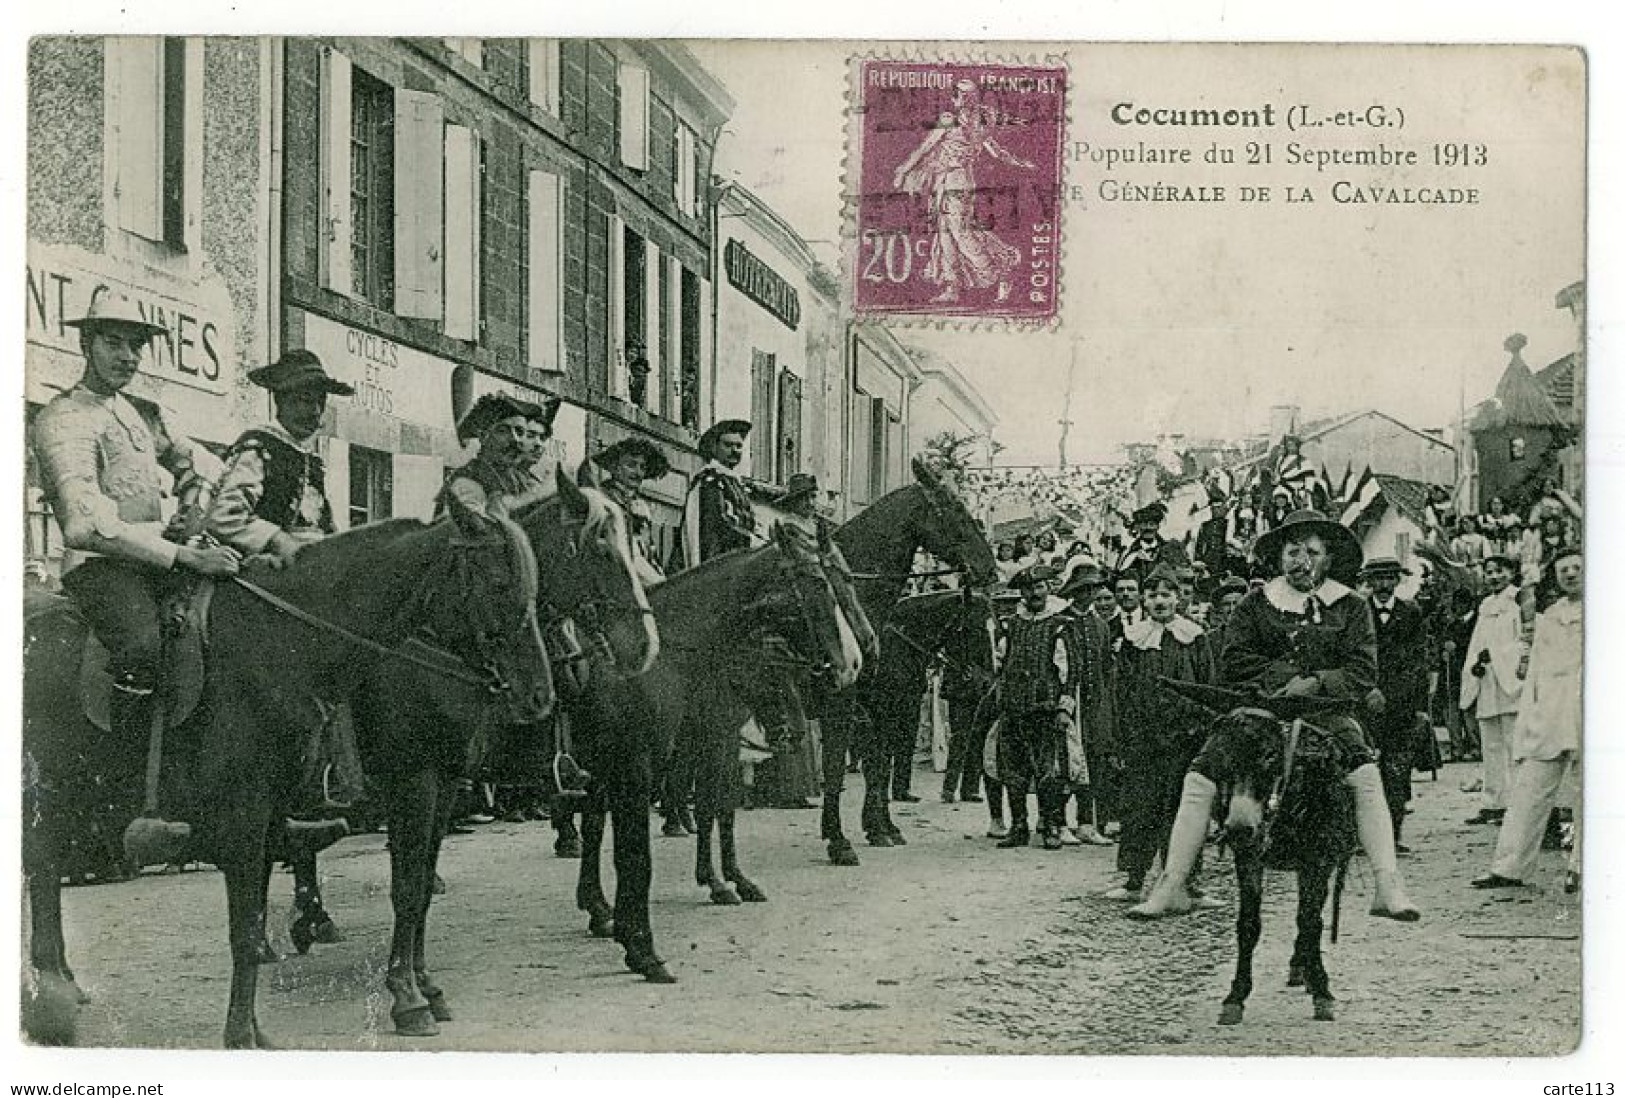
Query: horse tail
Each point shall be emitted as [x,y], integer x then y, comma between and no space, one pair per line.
[1337,896]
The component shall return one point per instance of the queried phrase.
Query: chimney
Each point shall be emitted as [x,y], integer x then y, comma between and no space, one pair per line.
[1283,421]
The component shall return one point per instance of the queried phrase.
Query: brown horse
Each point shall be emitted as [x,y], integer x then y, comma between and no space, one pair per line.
[275,643]
[872,719]
[721,623]
[414,731]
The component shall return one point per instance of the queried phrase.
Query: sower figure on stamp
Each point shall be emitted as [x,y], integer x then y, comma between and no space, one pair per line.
[105,466]
[1039,744]
[1405,681]
[964,254]
[1303,634]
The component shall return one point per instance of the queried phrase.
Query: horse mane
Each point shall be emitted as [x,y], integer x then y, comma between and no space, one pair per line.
[357,543]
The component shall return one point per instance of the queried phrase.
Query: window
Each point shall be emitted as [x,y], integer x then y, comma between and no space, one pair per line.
[471,50]
[154,104]
[634,304]
[372,206]
[544,272]
[788,427]
[763,369]
[632,86]
[545,59]
[371,486]
[685,170]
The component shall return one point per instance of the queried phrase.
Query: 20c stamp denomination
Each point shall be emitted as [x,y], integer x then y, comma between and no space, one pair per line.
[958,170]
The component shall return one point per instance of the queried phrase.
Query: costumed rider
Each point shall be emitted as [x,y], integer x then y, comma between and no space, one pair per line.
[1039,671]
[1303,634]
[629,463]
[105,465]
[501,478]
[272,502]
[718,516]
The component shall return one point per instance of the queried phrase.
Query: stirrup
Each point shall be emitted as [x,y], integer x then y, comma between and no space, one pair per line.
[569,778]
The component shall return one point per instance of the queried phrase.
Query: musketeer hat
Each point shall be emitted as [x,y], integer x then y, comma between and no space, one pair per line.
[109,306]
[1155,511]
[1029,577]
[718,429]
[1085,578]
[1340,540]
[298,369]
[496,407]
[798,486]
[655,464]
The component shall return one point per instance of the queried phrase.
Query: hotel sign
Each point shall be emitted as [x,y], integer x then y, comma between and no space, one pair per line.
[761,283]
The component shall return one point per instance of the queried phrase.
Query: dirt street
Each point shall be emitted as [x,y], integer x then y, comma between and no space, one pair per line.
[945,945]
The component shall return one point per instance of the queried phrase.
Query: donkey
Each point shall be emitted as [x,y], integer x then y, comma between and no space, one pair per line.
[1287,807]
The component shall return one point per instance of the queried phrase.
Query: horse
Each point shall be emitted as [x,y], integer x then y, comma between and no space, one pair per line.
[277,640]
[880,544]
[721,623]
[1287,807]
[414,732]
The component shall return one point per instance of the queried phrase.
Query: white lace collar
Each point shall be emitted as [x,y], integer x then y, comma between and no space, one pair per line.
[1052,606]
[1146,634]
[1289,600]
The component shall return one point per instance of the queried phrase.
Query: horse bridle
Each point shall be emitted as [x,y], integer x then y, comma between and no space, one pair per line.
[592,612]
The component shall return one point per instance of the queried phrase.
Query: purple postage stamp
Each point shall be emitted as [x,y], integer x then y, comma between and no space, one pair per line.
[959,201]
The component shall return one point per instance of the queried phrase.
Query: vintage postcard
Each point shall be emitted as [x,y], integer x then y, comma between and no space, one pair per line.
[630,545]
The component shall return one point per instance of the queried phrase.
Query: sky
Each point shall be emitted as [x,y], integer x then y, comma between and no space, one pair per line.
[1197,318]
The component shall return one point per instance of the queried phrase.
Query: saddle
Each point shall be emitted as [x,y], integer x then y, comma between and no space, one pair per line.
[185,617]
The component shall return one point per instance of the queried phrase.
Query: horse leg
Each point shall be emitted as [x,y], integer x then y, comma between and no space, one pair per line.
[248,885]
[1313,885]
[312,924]
[836,740]
[51,998]
[589,881]
[705,870]
[413,821]
[634,871]
[1249,925]
[437,835]
[747,889]
[876,759]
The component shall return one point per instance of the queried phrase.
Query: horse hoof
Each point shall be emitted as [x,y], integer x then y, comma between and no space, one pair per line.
[601,926]
[438,1005]
[50,1009]
[657,974]
[1294,976]
[880,839]
[896,837]
[843,854]
[80,995]
[314,930]
[417,1022]
[1325,1010]
[1230,1014]
[750,892]
[726,897]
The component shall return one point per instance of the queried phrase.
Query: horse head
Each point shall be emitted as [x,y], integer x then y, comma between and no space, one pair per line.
[591,573]
[800,605]
[946,529]
[1248,755]
[485,611]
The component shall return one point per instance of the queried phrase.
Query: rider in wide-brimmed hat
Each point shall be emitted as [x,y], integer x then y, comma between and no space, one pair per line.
[629,463]
[1303,636]
[718,515]
[511,432]
[1149,547]
[104,466]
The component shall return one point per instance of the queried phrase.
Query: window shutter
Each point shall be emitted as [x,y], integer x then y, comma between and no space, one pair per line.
[418,479]
[192,145]
[336,467]
[634,116]
[545,61]
[674,339]
[895,448]
[616,327]
[471,50]
[546,263]
[335,260]
[706,365]
[789,425]
[761,415]
[683,170]
[462,233]
[879,459]
[135,97]
[420,175]
[651,321]
[860,448]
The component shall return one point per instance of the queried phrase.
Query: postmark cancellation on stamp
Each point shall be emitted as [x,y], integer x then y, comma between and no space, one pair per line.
[958,168]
